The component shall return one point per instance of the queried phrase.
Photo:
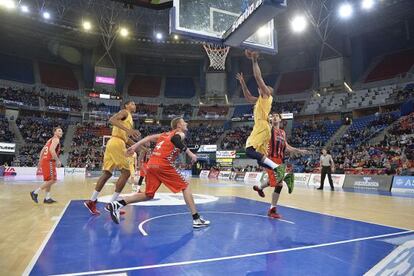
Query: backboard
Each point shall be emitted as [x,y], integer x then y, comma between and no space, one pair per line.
[236,23]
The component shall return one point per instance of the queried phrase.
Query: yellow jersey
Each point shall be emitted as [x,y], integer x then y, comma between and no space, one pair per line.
[262,109]
[127,123]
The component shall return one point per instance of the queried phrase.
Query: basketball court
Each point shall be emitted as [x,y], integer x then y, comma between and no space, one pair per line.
[342,232]
[337,232]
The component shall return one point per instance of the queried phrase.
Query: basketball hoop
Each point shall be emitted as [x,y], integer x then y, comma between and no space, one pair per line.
[217,55]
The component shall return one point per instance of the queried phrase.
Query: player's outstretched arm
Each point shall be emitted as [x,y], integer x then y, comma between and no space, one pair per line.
[294,150]
[150,138]
[246,92]
[257,73]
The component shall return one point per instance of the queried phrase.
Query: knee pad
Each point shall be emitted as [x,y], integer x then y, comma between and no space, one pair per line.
[278,189]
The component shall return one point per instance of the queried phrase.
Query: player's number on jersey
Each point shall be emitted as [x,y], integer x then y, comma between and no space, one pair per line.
[46,150]
[158,146]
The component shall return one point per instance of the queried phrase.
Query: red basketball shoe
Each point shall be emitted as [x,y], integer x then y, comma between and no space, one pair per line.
[273,213]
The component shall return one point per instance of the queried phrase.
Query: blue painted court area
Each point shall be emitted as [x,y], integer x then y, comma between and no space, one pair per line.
[155,240]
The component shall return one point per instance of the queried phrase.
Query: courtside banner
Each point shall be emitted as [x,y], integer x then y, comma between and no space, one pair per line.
[226,154]
[368,182]
[213,173]
[75,172]
[302,179]
[403,184]
[225,175]
[29,173]
[240,176]
[186,173]
[204,174]
[315,180]
[253,177]
[7,147]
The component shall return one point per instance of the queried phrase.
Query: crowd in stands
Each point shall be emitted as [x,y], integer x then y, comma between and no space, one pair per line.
[204,135]
[145,110]
[72,103]
[28,156]
[174,110]
[300,135]
[19,95]
[236,138]
[38,130]
[5,134]
[287,107]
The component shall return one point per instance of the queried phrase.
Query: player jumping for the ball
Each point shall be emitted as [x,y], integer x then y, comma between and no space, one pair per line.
[257,142]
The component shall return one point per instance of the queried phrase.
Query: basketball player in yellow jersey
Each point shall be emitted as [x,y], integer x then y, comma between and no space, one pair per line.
[258,141]
[114,156]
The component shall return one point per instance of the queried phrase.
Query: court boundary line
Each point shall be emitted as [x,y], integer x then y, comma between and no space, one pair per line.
[144,233]
[39,251]
[234,256]
[335,216]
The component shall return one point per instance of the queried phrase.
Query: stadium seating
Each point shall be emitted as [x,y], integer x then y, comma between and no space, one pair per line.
[59,76]
[5,134]
[391,66]
[295,82]
[252,84]
[145,86]
[16,69]
[19,96]
[243,111]
[179,87]
[174,110]
[213,111]
[313,134]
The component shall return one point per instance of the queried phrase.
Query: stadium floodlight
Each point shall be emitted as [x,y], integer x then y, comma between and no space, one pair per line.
[46,15]
[345,10]
[298,24]
[158,35]
[87,25]
[176,37]
[367,4]
[24,9]
[124,32]
[8,4]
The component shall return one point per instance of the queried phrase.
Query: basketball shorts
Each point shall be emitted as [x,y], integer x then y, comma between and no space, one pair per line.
[143,169]
[49,170]
[166,174]
[260,137]
[114,156]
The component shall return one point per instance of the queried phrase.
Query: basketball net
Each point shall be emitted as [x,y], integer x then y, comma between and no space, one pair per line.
[217,55]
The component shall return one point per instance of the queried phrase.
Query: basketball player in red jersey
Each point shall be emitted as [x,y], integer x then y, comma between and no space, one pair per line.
[162,170]
[143,158]
[48,161]
[277,146]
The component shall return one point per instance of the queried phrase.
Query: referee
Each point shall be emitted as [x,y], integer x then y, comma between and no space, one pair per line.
[327,166]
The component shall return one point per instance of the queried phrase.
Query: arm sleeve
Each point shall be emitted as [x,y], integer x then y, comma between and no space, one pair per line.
[178,143]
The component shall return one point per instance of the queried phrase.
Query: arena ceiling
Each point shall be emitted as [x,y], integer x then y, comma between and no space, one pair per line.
[145,18]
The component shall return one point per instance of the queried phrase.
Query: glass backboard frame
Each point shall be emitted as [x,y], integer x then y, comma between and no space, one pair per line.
[218,37]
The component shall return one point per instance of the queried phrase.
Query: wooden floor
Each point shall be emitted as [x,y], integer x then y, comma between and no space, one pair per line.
[24,225]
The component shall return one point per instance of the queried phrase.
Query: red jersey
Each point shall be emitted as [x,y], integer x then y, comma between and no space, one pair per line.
[47,156]
[277,144]
[164,152]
